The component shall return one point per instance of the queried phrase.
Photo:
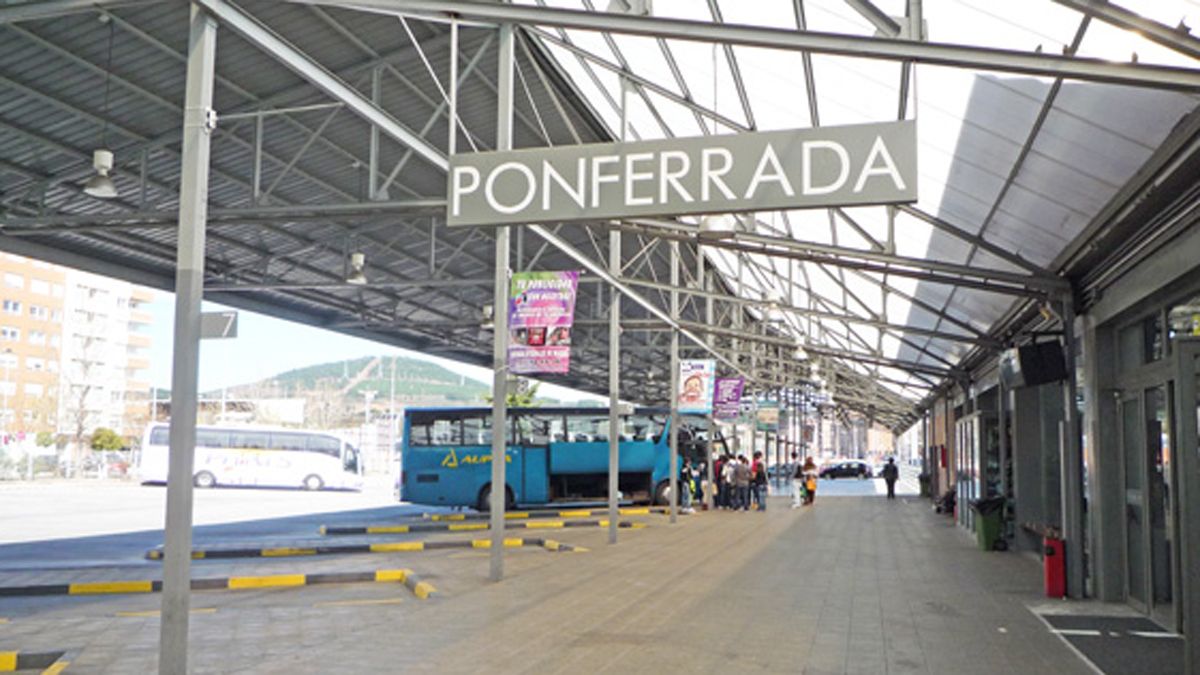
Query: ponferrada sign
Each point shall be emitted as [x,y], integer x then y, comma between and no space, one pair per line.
[830,166]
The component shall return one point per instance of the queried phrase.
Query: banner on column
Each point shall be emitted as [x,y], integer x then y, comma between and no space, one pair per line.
[696,379]
[768,416]
[541,309]
[728,397]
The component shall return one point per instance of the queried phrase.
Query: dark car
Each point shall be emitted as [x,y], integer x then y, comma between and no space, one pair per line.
[847,469]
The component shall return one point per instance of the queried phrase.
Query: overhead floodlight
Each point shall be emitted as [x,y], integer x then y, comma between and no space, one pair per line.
[358,261]
[715,227]
[101,186]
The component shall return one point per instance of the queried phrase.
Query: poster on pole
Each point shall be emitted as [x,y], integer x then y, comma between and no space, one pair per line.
[541,309]
[696,378]
[728,397]
[768,416]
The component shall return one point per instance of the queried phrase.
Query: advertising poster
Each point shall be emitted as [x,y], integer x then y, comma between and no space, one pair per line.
[696,379]
[768,416]
[541,309]
[728,397]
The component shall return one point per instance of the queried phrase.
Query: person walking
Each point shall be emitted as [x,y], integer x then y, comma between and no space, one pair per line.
[810,480]
[758,479]
[891,473]
[686,487]
[797,481]
[741,482]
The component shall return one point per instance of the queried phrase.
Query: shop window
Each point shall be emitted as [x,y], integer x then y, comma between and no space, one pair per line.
[1184,319]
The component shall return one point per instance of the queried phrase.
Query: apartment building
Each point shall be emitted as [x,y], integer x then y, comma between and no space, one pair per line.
[103,378]
[31,318]
[74,350]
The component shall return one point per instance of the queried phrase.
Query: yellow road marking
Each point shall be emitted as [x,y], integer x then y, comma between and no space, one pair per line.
[423,590]
[56,667]
[545,525]
[392,575]
[267,581]
[550,545]
[8,661]
[634,512]
[387,529]
[579,513]
[355,603]
[450,516]
[398,546]
[156,612]
[97,587]
[516,515]
[287,551]
[468,526]
[487,543]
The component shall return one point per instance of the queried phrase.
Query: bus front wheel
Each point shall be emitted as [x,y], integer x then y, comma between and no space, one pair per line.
[313,482]
[485,499]
[204,479]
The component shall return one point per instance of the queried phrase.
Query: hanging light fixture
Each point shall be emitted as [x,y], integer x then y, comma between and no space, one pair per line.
[715,227]
[358,261]
[101,185]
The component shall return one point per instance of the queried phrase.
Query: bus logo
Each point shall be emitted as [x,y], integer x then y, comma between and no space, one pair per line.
[451,460]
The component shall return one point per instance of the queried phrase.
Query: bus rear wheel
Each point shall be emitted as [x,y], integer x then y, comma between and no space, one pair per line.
[204,480]
[662,494]
[313,482]
[485,499]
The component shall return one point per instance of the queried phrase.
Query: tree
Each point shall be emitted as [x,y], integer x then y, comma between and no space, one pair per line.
[104,438]
[521,394]
[45,439]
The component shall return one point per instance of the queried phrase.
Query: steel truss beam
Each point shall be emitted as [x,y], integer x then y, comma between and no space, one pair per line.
[1178,39]
[52,9]
[959,56]
[259,35]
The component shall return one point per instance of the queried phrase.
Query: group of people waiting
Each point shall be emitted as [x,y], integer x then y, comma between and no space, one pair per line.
[741,482]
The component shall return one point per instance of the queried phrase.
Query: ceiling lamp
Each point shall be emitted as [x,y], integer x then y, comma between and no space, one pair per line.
[101,186]
[358,261]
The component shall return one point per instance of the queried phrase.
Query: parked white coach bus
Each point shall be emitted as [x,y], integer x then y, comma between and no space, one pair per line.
[258,456]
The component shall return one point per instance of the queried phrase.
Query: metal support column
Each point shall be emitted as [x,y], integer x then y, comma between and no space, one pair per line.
[1187,411]
[614,384]
[504,124]
[373,147]
[704,283]
[674,437]
[185,366]
[1071,462]
[1002,422]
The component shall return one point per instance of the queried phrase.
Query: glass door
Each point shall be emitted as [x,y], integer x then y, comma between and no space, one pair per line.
[1132,449]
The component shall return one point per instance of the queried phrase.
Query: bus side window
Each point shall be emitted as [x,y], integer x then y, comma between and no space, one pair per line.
[418,434]
[446,432]
[212,438]
[477,430]
[287,442]
[326,445]
[248,440]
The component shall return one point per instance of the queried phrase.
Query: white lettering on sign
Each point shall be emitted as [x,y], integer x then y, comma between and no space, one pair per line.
[829,166]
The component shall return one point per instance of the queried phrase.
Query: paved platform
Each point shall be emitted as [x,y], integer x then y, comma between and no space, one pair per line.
[852,585]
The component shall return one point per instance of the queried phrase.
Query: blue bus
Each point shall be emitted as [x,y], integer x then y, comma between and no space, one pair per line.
[553,455]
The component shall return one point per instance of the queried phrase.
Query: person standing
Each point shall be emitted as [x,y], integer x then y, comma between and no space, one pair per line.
[797,482]
[728,471]
[810,480]
[891,473]
[741,481]
[758,478]
[686,487]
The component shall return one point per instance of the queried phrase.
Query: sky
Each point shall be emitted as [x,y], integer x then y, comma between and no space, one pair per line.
[266,346]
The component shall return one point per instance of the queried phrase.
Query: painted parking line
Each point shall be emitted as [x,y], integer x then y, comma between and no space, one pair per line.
[549,513]
[1155,634]
[401,576]
[338,549]
[331,530]
[1076,632]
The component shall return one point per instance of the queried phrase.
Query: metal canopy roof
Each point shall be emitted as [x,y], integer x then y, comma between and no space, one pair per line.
[1020,173]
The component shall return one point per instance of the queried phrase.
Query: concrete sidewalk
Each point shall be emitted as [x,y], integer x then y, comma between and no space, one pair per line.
[852,585]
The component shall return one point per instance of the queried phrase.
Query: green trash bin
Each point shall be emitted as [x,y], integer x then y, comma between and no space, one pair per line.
[989,523]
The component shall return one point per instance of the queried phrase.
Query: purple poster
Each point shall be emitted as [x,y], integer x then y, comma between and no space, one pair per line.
[728,397]
[541,308]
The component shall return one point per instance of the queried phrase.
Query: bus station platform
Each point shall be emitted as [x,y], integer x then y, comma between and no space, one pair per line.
[849,585]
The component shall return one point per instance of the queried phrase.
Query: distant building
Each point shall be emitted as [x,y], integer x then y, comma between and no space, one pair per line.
[31,316]
[106,342]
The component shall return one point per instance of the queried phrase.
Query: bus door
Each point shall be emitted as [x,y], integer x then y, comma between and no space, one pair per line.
[534,434]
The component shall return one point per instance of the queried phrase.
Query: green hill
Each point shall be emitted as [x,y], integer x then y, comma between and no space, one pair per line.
[415,380]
